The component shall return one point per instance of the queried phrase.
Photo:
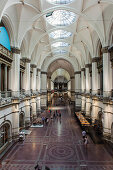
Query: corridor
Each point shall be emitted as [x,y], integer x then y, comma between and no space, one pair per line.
[58,146]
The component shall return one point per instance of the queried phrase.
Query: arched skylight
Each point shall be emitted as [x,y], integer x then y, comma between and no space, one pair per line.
[60,34]
[60,1]
[4,38]
[59,52]
[60,44]
[60,18]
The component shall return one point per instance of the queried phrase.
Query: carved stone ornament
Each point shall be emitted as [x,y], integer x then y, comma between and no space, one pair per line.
[15,50]
[78,72]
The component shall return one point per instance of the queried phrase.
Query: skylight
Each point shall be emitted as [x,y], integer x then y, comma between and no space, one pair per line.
[60,44]
[60,18]
[60,34]
[60,1]
[59,52]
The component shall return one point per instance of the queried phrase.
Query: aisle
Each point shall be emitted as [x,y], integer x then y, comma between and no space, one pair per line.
[58,146]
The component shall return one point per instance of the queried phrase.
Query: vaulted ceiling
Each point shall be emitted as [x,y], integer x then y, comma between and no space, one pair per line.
[49,30]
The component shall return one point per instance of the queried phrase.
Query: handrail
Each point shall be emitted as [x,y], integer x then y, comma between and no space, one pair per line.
[6,52]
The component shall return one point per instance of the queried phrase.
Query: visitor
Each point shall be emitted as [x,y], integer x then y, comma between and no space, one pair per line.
[85,142]
[83,134]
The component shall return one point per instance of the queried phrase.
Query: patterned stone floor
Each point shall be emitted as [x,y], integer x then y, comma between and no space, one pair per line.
[58,146]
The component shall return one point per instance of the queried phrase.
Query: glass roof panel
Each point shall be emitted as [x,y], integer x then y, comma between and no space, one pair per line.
[59,52]
[60,1]
[60,44]
[61,18]
[60,34]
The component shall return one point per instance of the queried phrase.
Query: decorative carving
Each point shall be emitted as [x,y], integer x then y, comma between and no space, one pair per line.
[33,65]
[26,60]
[82,69]
[15,50]
[95,59]
[78,72]
[72,77]
[105,49]
[38,69]
[43,72]
[87,65]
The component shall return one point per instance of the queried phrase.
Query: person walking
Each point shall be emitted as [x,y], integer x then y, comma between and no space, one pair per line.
[85,142]
[83,135]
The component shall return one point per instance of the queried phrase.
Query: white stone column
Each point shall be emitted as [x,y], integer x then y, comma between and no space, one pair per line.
[49,89]
[106,72]
[78,89]
[95,109]
[38,104]
[83,80]
[88,85]
[15,72]
[34,78]
[88,106]
[5,79]
[27,76]
[15,118]
[33,104]
[27,111]
[39,80]
[44,89]
[73,88]
[83,101]
[95,76]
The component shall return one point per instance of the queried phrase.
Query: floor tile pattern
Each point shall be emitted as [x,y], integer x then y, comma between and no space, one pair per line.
[59,146]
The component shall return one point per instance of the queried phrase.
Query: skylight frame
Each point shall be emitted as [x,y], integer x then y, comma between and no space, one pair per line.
[60,34]
[61,18]
[60,44]
[60,2]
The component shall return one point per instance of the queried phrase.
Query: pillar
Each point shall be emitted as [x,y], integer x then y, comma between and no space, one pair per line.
[73,89]
[33,104]
[15,72]
[27,111]
[95,76]
[95,109]
[78,90]
[5,81]
[38,80]
[26,77]
[106,72]
[83,80]
[44,89]
[38,104]
[15,118]
[88,106]
[34,78]
[88,84]
[83,101]
[49,89]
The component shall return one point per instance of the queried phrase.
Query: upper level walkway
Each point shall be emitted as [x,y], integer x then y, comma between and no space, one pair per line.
[59,146]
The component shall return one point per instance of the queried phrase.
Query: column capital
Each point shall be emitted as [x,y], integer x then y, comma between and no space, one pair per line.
[87,65]
[33,65]
[38,69]
[49,77]
[15,50]
[26,60]
[82,69]
[77,72]
[72,77]
[105,49]
[43,72]
[95,59]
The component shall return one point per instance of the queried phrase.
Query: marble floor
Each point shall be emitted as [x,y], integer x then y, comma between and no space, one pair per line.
[58,146]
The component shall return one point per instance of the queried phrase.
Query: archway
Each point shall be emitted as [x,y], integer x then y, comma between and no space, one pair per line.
[5,133]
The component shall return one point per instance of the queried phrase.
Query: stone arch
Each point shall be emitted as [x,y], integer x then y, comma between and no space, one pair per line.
[10,29]
[5,132]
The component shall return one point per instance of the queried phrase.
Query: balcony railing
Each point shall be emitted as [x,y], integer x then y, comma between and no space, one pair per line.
[5,52]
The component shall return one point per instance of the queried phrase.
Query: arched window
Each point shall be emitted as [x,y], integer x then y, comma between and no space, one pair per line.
[4,38]
[4,134]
